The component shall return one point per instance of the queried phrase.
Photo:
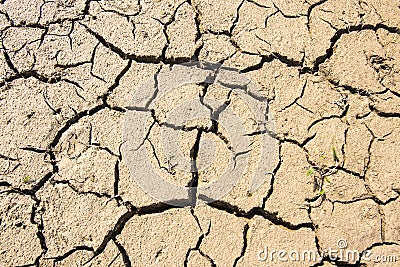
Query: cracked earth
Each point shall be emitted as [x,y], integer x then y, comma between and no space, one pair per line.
[330,71]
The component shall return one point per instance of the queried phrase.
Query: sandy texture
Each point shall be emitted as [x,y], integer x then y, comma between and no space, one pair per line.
[329,70]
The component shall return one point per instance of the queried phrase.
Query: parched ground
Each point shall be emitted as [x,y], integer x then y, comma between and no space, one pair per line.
[330,70]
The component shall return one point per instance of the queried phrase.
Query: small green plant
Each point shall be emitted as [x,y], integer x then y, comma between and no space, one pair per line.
[310,171]
[322,192]
[26,179]
[335,156]
[322,158]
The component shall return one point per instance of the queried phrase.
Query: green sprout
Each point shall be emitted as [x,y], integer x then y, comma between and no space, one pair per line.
[322,192]
[335,156]
[26,179]
[310,171]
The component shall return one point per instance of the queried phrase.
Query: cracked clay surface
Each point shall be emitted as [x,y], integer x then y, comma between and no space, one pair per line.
[328,69]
